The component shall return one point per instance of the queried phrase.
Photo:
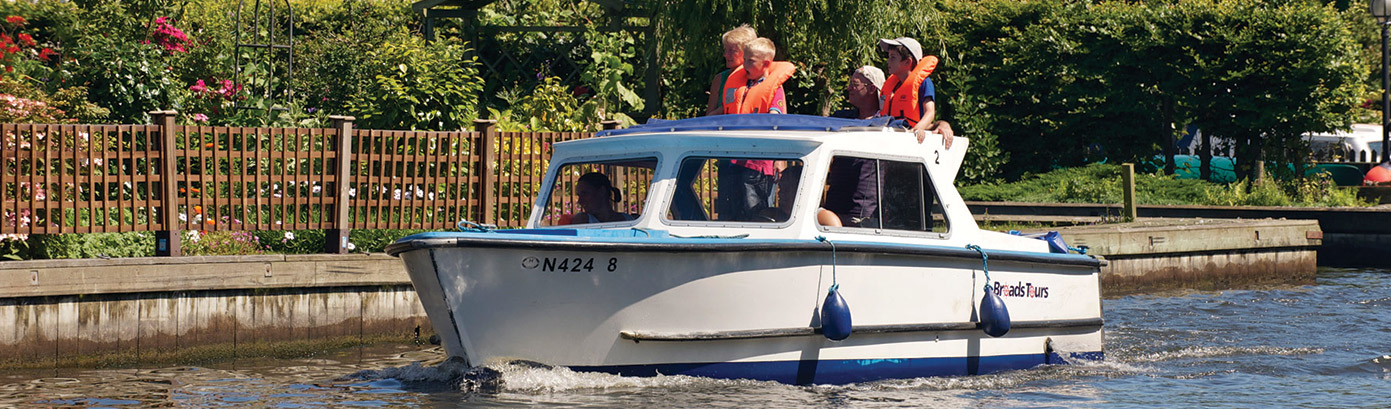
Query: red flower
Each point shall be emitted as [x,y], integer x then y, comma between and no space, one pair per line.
[13,49]
[47,53]
[16,20]
[26,39]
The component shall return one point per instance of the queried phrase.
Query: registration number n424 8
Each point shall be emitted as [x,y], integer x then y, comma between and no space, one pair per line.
[577,264]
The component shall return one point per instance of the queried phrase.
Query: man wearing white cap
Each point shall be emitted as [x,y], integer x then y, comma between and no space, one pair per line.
[908,92]
[862,91]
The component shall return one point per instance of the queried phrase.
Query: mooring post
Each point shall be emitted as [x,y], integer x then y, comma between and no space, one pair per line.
[488,169]
[1128,182]
[167,240]
[336,239]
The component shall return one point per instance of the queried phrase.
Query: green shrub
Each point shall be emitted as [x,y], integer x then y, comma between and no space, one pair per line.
[292,242]
[127,77]
[90,245]
[419,86]
[375,240]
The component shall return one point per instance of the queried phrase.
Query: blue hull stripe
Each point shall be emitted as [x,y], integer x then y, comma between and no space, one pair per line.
[845,371]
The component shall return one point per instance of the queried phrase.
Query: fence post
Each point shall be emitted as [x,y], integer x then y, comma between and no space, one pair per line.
[336,239]
[1128,192]
[486,200]
[167,241]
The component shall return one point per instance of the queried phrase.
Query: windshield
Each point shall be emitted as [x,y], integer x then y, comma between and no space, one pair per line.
[735,189]
[599,192]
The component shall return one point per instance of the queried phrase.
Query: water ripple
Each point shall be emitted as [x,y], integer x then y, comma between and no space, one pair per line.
[1214,352]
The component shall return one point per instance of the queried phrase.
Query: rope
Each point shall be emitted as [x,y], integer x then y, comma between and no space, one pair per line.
[834,284]
[984,263]
[465,225]
[712,236]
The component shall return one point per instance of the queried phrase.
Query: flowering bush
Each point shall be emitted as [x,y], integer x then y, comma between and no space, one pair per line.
[222,243]
[16,46]
[171,38]
[211,99]
[227,90]
[15,109]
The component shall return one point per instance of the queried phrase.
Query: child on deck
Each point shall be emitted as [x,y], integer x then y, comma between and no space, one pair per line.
[747,186]
[757,86]
[733,42]
[908,92]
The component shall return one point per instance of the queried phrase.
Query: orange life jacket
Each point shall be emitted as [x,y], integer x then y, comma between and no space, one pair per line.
[740,99]
[901,101]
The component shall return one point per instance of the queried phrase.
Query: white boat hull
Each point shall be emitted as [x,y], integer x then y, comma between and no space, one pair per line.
[749,309]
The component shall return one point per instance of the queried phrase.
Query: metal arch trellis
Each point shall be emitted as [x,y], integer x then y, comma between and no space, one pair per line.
[264,48]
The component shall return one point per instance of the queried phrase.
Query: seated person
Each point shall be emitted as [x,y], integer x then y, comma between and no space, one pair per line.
[827,218]
[596,197]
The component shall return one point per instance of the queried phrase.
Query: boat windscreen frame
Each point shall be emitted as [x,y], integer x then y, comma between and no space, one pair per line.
[547,189]
[669,199]
[932,180]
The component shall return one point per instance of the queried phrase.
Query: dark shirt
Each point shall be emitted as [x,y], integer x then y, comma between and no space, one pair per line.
[854,189]
[926,92]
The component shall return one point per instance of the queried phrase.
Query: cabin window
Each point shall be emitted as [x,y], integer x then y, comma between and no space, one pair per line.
[751,190]
[579,195]
[868,193]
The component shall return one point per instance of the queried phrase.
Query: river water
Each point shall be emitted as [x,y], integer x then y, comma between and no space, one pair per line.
[1321,345]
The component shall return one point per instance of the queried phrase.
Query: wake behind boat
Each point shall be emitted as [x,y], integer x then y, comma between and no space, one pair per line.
[726,247]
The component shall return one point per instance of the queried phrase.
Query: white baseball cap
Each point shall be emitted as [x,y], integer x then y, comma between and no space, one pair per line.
[911,44]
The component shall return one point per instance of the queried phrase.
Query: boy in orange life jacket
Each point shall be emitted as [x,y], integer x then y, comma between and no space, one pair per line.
[756,87]
[908,92]
[733,42]
[746,186]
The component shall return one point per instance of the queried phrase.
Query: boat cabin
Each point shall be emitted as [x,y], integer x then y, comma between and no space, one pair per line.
[762,176]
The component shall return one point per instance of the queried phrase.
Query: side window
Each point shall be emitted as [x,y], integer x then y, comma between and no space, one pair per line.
[599,192]
[753,190]
[875,193]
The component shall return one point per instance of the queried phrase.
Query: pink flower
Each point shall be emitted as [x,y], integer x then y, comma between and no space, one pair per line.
[198,87]
[200,117]
[168,36]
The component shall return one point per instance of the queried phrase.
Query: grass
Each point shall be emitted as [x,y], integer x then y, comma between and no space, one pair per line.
[1101,183]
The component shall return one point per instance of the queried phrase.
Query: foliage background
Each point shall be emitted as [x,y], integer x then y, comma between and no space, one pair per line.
[1037,85]
[1040,85]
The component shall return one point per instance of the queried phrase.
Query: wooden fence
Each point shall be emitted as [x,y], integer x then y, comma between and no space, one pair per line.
[60,179]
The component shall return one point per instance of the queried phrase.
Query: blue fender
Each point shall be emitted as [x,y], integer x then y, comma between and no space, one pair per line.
[835,316]
[994,317]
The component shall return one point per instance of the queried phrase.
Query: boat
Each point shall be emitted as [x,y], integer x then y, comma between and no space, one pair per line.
[686,283]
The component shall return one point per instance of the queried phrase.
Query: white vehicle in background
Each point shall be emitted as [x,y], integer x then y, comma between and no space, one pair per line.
[1361,144]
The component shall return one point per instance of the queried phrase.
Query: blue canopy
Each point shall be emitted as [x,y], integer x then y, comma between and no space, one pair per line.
[747,122]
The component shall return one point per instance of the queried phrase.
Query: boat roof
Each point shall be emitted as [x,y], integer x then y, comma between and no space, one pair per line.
[751,122]
[1364,132]
[773,136]
[789,134]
